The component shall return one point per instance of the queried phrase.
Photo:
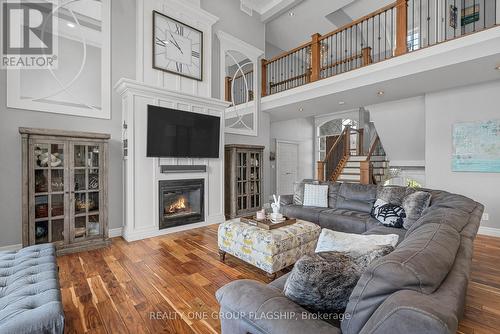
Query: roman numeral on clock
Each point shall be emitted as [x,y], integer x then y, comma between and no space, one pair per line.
[178,66]
[179,29]
[195,54]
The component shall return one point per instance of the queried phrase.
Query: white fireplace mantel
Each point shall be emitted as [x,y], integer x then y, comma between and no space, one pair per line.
[142,174]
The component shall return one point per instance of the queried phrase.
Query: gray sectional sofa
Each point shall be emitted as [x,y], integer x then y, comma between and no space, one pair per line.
[418,288]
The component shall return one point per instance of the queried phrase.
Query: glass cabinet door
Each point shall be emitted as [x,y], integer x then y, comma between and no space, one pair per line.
[48,191]
[86,191]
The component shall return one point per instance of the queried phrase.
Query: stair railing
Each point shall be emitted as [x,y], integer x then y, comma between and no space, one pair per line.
[342,148]
[366,167]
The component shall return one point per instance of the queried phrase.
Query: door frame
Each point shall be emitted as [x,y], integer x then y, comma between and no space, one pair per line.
[278,142]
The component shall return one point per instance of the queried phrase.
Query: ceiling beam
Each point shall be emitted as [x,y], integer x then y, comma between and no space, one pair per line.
[276,8]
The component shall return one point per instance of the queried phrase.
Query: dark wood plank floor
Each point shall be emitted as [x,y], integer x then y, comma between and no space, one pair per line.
[167,284]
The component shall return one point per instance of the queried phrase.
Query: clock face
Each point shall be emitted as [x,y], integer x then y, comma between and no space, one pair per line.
[177,47]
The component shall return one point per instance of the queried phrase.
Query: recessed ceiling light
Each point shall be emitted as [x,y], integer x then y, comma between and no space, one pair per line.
[71,25]
[301,109]
[380,93]
[341,102]
[497,68]
[291,14]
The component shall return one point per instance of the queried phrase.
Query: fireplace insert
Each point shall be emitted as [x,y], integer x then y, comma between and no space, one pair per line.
[181,202]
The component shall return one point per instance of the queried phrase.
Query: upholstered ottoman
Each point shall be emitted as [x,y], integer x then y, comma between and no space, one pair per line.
[30,299]
[269,250]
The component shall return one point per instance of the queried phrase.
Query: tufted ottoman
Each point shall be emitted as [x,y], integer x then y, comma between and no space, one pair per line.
[269,250]
[30,299]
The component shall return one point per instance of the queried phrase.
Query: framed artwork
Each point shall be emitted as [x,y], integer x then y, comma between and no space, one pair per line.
[177,47]
[476,147]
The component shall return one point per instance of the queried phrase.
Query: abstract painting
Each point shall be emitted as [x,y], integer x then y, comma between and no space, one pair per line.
[476,147]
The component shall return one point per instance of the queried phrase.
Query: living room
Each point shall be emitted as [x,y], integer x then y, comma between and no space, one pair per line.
[297,166]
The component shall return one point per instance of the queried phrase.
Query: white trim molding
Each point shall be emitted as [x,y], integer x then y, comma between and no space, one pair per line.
[75,104]
[490,231]
[9,248]
[115,232]
[142,175]
[229,45]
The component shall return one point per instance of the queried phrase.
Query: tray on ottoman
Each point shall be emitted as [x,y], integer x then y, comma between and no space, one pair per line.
[267,224]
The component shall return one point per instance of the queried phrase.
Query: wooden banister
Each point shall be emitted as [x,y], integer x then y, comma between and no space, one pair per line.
[315,57]
[227,93]
[320,170]
[373,147]
[263,64]
[401,27]
[361,19]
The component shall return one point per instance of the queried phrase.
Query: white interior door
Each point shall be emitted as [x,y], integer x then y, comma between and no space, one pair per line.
[287,165]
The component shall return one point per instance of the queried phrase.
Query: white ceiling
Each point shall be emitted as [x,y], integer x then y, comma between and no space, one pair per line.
[310,16]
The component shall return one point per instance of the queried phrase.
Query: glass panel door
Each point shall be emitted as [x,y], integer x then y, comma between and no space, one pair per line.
[48,190]
[86,190]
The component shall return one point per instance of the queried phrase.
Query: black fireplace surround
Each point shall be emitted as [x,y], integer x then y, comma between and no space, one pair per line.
[181,202]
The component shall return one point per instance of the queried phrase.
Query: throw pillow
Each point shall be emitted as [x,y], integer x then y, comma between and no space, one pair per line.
[323,282]
[316,195]
[353,244]
[298,190]
[390,215]
[393,194]
[414,204]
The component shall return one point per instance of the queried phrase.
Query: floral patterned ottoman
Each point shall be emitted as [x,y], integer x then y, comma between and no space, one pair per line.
[269,250]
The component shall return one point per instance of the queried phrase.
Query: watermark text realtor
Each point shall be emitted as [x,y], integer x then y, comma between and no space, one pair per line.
[28,40]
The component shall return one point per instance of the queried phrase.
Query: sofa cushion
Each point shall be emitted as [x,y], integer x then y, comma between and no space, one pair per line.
[333,193]
[358,197]
[414,205]
[323,282]
[393,194]
[308,213]
[388,214]
[445,199]
[344,220]
[420,263]
[382,230]
[316,195]
[441,215]
[353,244]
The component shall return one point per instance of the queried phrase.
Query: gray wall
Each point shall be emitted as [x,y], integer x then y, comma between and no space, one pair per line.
[252,31]
[123,65]
[442,110]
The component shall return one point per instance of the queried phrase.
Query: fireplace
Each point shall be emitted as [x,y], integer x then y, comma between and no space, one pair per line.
[181,202]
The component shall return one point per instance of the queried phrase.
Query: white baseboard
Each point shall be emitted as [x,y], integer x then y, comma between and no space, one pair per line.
[491,231]
[115,232]
[15,247]
[138,235]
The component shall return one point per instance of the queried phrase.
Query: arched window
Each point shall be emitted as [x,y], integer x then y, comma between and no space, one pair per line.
[333,127]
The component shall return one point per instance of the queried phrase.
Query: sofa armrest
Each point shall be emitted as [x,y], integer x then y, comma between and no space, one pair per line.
[411,312]
[286,199]
[265,309]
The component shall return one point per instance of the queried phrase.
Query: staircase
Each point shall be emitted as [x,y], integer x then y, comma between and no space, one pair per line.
[351,172]
[344,163]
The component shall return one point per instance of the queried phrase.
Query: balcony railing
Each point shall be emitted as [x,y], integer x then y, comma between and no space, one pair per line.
[401,27]
[238,89]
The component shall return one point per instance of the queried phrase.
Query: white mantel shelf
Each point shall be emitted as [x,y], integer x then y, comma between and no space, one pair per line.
[142,174]
[129,86]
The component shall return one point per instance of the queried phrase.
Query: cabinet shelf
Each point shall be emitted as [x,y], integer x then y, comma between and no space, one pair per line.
[243,179]
[74,211]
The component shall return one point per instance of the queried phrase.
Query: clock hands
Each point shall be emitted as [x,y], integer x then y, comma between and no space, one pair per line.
[175,43]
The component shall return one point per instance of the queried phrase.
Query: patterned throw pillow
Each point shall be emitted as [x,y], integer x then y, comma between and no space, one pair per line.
[414,204]
[390,215]
[316,195]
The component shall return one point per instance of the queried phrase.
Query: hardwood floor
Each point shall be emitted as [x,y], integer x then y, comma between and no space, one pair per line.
[167,284]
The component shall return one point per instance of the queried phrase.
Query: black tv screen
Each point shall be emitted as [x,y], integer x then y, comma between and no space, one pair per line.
[181,134]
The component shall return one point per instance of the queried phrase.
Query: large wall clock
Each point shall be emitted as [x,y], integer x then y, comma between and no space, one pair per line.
[177,47]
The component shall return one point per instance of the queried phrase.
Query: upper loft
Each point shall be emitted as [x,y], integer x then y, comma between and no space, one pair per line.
[405,48]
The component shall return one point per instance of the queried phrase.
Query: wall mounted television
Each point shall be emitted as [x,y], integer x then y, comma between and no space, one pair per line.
[179,134]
